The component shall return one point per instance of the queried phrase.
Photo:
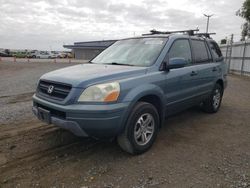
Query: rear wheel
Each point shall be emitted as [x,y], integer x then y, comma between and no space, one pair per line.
[141,129]
[212,104]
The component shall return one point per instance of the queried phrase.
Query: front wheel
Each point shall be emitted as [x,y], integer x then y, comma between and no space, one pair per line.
[213,102]
[141,129]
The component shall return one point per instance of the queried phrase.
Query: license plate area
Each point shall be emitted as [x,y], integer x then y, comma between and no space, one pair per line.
[44,115]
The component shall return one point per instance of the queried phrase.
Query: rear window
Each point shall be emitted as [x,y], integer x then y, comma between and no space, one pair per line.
[215,50]
[200,51]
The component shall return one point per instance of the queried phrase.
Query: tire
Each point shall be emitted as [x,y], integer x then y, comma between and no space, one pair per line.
[142,120]
[213,102]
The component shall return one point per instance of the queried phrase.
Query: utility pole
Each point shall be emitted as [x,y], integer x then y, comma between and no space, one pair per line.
[230,54]
[208,17]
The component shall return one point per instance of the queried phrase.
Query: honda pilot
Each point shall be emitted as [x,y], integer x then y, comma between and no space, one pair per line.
[128,90]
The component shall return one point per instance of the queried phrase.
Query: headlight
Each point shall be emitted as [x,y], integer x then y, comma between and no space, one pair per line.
[101,93]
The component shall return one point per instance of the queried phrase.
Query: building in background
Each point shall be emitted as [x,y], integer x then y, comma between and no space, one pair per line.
[88,50]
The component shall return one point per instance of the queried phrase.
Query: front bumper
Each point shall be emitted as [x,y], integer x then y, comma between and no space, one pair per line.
[97,120]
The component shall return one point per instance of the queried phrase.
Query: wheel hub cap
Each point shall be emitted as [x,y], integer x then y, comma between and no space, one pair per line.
[144,129]
[216,99]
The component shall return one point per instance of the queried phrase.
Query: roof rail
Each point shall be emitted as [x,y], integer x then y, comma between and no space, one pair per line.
[189,32]
[206,35]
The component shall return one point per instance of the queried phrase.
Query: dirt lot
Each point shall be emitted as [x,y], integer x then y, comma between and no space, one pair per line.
[193,149]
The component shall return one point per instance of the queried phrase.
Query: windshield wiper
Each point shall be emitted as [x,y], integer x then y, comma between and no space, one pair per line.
[115,63]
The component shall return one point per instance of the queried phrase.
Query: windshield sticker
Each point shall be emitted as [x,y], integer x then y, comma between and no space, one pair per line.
[158,42]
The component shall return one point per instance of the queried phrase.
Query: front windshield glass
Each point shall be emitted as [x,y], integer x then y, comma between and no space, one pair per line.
[134,52]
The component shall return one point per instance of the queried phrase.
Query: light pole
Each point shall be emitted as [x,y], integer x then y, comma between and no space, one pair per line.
[208,16]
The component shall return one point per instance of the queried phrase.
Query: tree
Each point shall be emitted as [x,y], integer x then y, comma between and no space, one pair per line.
[245,31]
[244,12]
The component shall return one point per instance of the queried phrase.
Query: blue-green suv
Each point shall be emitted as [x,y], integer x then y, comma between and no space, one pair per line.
[127,90]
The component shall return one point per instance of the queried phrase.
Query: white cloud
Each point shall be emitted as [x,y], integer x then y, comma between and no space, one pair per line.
[44,24]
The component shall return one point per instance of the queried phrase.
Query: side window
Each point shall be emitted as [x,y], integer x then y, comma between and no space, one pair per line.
[215,50]
[200,51]
[181,48]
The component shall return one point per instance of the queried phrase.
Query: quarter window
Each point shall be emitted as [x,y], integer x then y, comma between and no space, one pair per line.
[200,51]
[215,50]
[181,49]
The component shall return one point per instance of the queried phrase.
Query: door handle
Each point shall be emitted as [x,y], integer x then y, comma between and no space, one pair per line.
[214,69]
[193,73]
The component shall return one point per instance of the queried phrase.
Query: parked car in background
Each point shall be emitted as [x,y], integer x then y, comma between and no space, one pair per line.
[3,54]
[56,54]
[53,54]
[69,55]
[62,55]
[48,54]
[32,54]
[40,54]
[128,89]
[19,54]
[44,55]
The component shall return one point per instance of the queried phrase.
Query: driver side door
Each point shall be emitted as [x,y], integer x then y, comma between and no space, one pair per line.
[180,90]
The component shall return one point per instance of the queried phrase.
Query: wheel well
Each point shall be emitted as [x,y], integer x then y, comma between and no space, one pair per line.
[154,100]
[221,83]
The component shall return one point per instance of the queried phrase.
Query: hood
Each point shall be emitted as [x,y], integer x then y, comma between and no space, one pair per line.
[85,74]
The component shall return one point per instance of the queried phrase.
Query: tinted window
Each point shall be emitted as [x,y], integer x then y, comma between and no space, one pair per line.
[215,50]
[181,48]
[200,51]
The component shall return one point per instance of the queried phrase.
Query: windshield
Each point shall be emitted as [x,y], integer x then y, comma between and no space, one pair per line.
[134,52]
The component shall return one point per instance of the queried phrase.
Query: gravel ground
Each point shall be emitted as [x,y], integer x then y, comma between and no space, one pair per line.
[18,83]
[193,149]
[19,78]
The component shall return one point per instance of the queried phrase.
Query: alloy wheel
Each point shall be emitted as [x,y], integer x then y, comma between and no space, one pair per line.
[144,129]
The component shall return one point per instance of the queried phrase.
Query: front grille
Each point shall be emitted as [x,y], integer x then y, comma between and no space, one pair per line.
[59,91]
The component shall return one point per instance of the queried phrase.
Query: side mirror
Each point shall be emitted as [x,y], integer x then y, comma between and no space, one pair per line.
[175,63]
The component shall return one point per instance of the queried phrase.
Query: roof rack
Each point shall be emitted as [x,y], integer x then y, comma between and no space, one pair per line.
[189,32]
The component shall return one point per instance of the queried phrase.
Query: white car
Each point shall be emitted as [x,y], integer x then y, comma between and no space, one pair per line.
[40,54]
[44,55]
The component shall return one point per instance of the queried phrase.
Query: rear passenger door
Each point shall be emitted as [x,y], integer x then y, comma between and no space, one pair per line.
[205,67]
